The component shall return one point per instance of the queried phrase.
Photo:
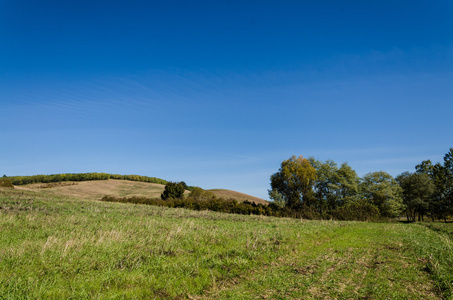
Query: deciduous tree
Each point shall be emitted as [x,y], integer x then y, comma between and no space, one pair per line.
[441,204]
[326,184]
[294,181]
[334,186]
[381,190]
[348,184]
[418,189]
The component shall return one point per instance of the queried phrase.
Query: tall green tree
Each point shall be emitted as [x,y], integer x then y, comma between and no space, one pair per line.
[440,207]
[334,186]
[418,190]
[425,167]
[348,184]
[382,190]
[448,184]
[325,185]
[294,182]
[436,174]
[441,203]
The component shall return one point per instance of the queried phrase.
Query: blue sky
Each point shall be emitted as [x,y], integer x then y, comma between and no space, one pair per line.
[219,93]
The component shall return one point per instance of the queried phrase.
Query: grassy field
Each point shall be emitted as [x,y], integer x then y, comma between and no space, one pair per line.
[54,247]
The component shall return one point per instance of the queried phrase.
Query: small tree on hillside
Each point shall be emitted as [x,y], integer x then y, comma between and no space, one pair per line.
[201,195]
[173,190]
[186,187]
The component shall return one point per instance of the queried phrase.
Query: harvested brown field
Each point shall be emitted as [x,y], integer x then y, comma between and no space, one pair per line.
[96,189]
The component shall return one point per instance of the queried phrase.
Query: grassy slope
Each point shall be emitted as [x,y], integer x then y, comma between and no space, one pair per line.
[54,247]
[228,194]
[94,190]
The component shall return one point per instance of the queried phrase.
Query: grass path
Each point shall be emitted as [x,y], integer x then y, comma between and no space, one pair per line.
[58,248]
[352,262]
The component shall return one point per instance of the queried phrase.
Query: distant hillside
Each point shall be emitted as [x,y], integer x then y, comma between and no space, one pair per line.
[96,189]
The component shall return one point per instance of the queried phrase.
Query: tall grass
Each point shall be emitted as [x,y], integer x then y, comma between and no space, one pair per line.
[55,248]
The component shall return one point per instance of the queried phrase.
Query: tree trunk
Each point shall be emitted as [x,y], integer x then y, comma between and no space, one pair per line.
[420,214]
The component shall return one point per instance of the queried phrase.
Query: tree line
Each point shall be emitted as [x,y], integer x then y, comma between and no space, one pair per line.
[309,188]
[322,189]
[22,180]
[199,199]
[429,191]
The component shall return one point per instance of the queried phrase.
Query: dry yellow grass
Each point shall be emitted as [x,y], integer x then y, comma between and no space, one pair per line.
[96,189]
[228,194]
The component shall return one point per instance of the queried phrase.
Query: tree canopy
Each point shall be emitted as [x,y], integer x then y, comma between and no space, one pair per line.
[322,189]
[441,177]
[294,182]
[334,186]
[382,190]
[417,192]
[173,190]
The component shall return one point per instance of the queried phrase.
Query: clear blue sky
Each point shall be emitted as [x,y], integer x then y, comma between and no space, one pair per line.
[219,93]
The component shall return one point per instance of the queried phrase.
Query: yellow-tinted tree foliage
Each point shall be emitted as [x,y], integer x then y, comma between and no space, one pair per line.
[294,182]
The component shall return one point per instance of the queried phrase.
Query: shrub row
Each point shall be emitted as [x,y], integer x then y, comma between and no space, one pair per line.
[6,183]
[359,211]
[220,205]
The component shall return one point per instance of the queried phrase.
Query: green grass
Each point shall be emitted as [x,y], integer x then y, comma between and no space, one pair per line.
[61,248]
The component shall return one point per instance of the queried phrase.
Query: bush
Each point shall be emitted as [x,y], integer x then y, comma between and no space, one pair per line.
[358,211]
[214,204]
[6,183]
[173,190]
[201,195]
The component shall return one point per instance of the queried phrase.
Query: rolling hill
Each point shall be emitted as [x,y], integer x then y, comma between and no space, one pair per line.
[96,189]
[241,197]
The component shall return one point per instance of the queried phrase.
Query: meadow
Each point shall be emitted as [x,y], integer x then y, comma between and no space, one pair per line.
[59,247]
